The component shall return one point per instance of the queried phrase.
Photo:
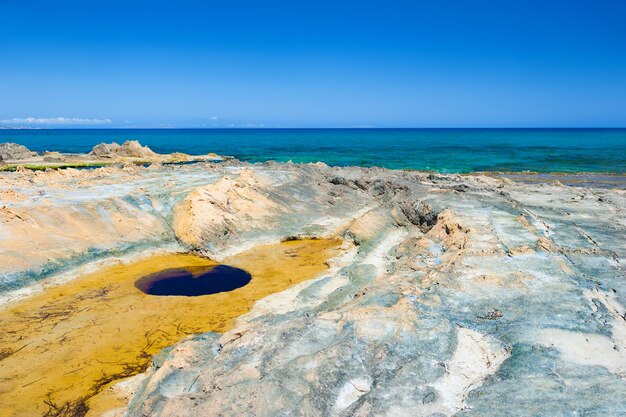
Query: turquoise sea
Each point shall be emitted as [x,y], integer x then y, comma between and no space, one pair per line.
[443,150]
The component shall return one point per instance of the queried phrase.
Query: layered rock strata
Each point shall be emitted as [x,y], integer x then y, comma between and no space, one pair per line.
[463,295]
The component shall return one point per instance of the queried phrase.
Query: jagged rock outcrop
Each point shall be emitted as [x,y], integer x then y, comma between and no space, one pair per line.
[12,152]
[420,215]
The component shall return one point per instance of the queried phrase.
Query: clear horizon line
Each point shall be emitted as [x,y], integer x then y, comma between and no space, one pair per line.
[313,128]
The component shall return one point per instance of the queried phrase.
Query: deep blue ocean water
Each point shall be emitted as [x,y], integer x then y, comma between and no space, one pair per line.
[443,150]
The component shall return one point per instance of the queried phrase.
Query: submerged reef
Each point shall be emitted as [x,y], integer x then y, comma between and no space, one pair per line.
[452,295]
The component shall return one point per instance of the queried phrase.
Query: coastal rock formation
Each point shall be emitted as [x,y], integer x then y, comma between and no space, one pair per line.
[17,157]
[449,305]
[12,151]
[256,206]
[130,148]
[55,220]
[53,157]
[453,295]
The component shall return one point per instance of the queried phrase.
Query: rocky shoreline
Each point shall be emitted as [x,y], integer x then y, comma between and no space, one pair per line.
[14,156]
[465,295]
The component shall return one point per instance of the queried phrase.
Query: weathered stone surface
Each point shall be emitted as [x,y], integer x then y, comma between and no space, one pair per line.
[463,295]
[12,151]
[105,150]
[53,157]
[130,148]
[510,293]
[52,221]
[420,215]
[103,154]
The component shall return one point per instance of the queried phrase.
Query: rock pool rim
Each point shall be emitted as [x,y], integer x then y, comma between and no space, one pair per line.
[193,281]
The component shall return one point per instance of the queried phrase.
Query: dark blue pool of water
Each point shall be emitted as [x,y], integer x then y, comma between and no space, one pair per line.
[193,281]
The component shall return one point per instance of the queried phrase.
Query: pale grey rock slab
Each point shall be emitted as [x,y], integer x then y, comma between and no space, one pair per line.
[508,301]
[510,305]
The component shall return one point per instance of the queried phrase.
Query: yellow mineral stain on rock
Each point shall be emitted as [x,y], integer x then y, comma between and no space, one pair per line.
[61,347]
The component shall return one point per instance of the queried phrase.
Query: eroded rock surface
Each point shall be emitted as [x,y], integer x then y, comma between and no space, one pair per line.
[14,156]
[130,148]
[464,295]
[55,220]
[12,151]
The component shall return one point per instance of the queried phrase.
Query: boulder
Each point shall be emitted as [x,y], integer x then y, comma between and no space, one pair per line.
[13,152]
[105,150]
[130,148]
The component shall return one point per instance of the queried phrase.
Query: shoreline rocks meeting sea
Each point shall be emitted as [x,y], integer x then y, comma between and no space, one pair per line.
[373,292]
[13,156]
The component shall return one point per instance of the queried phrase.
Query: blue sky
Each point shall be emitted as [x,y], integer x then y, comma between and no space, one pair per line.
[456,63]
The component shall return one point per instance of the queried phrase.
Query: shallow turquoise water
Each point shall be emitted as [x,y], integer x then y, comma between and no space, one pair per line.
[443,150]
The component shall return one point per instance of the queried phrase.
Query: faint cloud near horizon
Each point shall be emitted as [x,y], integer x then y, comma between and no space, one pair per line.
[55,121]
